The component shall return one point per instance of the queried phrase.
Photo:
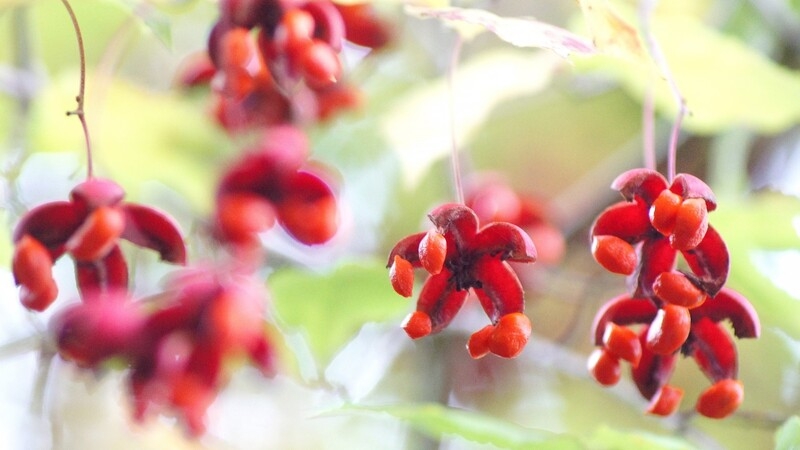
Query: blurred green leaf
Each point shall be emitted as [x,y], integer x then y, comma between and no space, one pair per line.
[437,421]
[331,308]
[725,83]
[138,135]
[788,435]
[149,17]
[609,438]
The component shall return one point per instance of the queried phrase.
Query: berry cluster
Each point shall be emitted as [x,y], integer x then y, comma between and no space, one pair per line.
[88,227]
[278,61]
[679,310]
[175,344]
[458,256]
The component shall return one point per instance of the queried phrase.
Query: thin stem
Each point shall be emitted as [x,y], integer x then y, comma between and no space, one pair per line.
[79,111]
[646,8]
[451,75]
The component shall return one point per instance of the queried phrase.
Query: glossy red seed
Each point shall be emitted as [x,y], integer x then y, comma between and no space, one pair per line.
[721,399]
[604,367]
[310,220]
[432,251]
[664,211]
[295,29]
[478,343]
[97,235]
[241,216]
[675,288]
[417,325]
[614,254]
[691,224]
[401,274]
[669,329]
[31,263]
[510,335]
[666,401]
[623,343]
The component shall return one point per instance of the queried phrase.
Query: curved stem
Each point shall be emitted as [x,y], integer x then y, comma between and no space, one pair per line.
[453,141]
[79,111]
[646,8]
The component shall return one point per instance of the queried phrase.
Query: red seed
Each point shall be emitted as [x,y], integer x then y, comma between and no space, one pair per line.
[691,224]
[295,29]
[319,64]
[401,274]
[669,329]
[242,216]
[666,401]
[417,325]
[675,288]
[623,343]
[97,235]
[721,399]
[664,211]
[432,251]
[604,367]
[510,335]
[614,254]
[478,344]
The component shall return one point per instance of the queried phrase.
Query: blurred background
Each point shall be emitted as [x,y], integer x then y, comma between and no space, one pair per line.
[553,129]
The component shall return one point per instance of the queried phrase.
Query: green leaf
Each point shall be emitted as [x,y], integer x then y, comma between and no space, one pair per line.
[331,308]
[437,421]
[725,83]
[607,437]
[788,435]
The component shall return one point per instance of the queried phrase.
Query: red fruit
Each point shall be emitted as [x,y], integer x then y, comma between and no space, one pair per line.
[363,26]
[401,274]
[310,220]
[669,329]
[623,343]
[604,367]
[295,29]
[691,224]
[97,235]
[31,263]
[432,251]
[241,216]
[319,64]
[666,401]
[614,254]
[417,325]
[721,399]
[510,335]
[675,288]
[478,343]
[664,211]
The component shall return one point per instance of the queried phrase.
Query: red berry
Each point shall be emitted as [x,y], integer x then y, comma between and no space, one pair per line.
[691,224]
[666,401]
[478,344]
[295,29]
[310,220]
[401,274]
[32,263]
[363,26]
[721,399]
[623,343]
[604,367]
[664,211]
[417,325]
[614,254]
[669,329]
[319,64]
[97,235]
[675,288]
[432,251]
[510,335]
[241,216]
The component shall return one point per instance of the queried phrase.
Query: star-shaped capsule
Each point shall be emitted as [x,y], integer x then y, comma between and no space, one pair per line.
[461,256]
[88,227]
[707,341]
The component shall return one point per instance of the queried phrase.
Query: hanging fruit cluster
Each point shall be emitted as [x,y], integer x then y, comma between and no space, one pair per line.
[678,311]
[274,67]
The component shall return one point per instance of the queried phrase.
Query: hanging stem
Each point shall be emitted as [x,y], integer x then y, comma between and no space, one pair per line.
[451,75]
[79,111]
[646,8]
